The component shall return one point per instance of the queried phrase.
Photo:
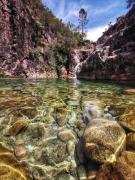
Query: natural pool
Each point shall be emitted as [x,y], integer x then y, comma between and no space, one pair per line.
[41,123]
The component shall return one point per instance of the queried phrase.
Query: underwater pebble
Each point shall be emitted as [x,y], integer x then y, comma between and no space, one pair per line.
[20,151]
[71,148]
[66,135]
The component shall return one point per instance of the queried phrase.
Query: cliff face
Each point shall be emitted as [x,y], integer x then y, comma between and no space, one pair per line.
[114,54]
[19,33]
[28,40]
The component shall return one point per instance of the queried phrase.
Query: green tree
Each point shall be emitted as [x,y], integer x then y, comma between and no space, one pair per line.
[130,3]
[83,19]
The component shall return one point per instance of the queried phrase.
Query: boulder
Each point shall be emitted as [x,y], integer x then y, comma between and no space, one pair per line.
[17,127]
[127,120]
[128,158]
[103,140]
[116,170]
[130,141]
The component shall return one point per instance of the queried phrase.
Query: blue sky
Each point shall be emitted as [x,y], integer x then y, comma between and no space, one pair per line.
[100,13]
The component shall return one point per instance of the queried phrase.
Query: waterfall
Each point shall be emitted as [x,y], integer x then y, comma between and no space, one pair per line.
[77,69]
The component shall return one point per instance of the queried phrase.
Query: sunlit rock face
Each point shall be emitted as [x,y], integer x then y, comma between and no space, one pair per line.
[114,57]
[21,54]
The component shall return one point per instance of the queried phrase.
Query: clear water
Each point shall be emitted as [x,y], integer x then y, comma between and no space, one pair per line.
[38,100]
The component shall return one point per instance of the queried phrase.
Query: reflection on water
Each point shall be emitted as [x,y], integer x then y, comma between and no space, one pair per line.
[41,120]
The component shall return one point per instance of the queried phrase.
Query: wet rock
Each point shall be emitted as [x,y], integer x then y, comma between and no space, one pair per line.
[130,141]
[20,151]
[103,140]
[19,142]
[91,110]
[10,168]
[61,116]
[129,92]
[29,112]
[17,127]
[116,170]
[54,153]
[108,116]
[128,158]
[127,120]
[66,135]
[79,124]
[71,148]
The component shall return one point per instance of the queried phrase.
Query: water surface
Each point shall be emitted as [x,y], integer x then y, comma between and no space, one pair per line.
[51,106]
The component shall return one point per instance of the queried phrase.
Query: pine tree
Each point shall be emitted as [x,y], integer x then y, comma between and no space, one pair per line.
[82,19]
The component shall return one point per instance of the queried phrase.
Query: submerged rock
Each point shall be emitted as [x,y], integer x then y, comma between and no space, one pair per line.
[127,120]
[116,170]
[10,168]
[17,127]
[103,140]
[71,148]
[66,135]
[20,151]
[61,116]
[128,158]
[130,141]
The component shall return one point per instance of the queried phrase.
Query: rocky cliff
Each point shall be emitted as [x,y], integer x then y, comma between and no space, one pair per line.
[113,57]
[30,39]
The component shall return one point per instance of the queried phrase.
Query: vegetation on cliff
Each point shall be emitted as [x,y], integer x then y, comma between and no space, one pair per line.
[34,43]
[57,55]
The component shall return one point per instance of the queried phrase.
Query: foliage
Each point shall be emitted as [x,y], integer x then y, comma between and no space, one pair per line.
[67,35]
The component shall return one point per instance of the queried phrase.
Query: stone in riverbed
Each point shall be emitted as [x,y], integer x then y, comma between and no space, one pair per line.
[127,120]
[130,141]
[115,170]
[61,116]
[66,135]
[29,112]
[71,148]
[10,168]
[129,92]
[128,158]
[54,153]
[103,140]
[20,151]
[17,127]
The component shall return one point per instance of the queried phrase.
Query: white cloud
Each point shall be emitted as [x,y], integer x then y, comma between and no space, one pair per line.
[94,33]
